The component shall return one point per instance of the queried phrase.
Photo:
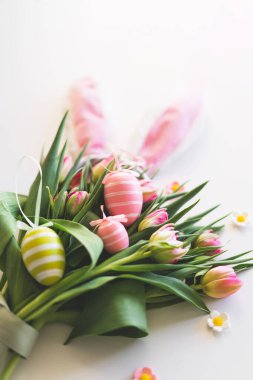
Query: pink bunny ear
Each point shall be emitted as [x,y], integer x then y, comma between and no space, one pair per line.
[88,118]
[169,130]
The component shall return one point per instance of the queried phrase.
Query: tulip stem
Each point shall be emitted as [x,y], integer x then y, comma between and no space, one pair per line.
[48,297]
[10,367]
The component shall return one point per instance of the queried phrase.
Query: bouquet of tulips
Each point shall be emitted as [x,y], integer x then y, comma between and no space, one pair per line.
[98,245]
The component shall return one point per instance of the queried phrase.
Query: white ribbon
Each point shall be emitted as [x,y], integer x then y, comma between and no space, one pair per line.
[22,225]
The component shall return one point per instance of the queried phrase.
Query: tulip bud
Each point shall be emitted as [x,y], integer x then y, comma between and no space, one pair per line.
[62,199]
[73,191]
[76,201]
[165,246]
[209,239]
[220,282]
[66,166]
[164,234]
[149,191]
[99,169]
[154,219]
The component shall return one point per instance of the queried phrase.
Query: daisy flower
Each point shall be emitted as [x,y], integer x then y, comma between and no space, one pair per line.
[218,321]
[173,187]
[144,374]
[240,219]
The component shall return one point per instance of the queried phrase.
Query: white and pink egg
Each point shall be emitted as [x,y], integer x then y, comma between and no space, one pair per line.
[123,195]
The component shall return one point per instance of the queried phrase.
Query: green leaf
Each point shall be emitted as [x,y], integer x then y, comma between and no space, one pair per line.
[8,230]
[140,268]
[184,273]
[115,309]
[143,235]
[59,168]
[66,183]
[171,196]
[182,213]
[196,218]
[49,170]
[88,239]
[125,253]
[175,206]
[20,283]
[90,216]
[16,334]
[85,174]
[8,202]
[172,285]
[159,303]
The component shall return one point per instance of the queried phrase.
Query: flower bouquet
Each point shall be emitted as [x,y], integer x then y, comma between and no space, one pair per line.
[97,246]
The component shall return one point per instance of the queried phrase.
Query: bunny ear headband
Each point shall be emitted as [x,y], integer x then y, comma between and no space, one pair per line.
[164,137]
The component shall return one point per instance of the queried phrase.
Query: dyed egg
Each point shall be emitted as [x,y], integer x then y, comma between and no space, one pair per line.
[114,235]
[43,255]
[123,195]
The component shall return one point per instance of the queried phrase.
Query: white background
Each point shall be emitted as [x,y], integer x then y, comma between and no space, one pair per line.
[143,54]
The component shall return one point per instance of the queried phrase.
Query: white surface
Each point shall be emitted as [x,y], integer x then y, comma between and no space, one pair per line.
[143,54]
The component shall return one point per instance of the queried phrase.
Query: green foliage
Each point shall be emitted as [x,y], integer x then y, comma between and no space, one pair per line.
[49,175]
[92,243]
[116,309]
[21,285]
[101,294]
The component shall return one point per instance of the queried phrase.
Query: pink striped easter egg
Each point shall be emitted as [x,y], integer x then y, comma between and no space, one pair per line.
[114,235]
[123,195]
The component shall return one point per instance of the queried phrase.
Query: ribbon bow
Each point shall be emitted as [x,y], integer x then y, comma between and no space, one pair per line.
[117,218]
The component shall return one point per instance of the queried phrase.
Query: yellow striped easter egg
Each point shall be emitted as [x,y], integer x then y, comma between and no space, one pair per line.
[43,255]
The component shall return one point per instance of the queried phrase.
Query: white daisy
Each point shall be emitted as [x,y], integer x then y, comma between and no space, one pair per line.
[240,218]
[218,321]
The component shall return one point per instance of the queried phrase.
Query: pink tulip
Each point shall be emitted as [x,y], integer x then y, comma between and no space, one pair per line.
[76,201]
[165,246]
[169,130]
[149,191]
[220,282]
[101,166]
[88,118]
[209,239]
[155,218]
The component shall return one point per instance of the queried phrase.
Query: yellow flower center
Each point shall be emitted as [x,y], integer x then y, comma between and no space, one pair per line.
[240,218]
[217,321]
[175,186]
[145,376]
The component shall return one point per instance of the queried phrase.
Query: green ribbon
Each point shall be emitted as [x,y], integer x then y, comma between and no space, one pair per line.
[15,334]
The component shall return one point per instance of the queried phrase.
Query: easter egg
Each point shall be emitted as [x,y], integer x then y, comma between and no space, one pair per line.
[114,236]
[43,255]
[123,195]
